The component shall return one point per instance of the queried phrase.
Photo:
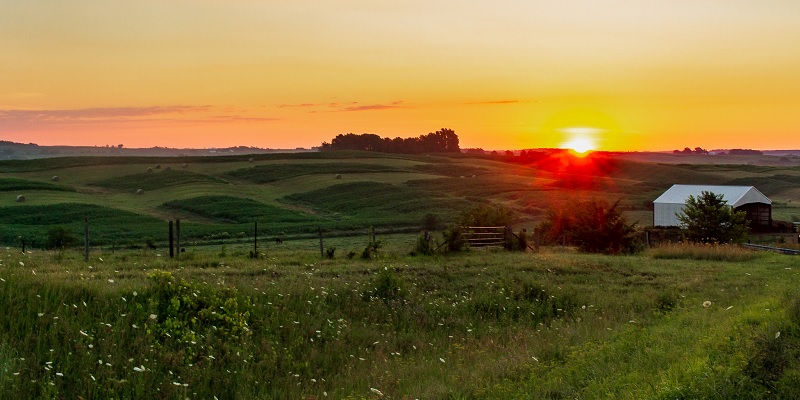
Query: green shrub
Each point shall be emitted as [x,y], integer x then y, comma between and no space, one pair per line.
[188,320]
[59,237]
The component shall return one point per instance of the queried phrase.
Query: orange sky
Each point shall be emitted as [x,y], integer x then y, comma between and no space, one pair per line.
[632,75]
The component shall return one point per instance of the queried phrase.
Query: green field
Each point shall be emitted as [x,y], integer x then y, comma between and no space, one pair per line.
[674,321]
[294,194]
[669,323]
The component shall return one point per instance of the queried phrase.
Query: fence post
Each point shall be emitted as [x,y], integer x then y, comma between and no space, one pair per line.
[23,246]
[178,235]
[86,239]
[255,240]
[372,229]
[321,252]
[647,238]
[171,242]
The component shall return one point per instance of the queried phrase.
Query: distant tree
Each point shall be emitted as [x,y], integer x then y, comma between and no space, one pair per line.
[687,150]
[441,141]
[509,153]
[709,219]
[700,150]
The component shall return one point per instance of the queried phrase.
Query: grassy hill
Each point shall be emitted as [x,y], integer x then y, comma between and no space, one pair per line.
[341,191]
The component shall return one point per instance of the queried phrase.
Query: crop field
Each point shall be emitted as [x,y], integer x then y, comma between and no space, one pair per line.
[673,322]
[295,194]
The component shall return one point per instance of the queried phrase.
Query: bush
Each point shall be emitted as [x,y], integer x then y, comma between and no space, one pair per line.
[388,287]
[425,245]
[59,237]
[594,226]
[488,215]
[454,239]
[329,252]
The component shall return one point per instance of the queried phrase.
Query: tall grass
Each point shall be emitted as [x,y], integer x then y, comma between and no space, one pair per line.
[481,324]
[699,251]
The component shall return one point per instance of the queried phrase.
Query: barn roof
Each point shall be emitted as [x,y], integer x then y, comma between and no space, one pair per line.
[734,195]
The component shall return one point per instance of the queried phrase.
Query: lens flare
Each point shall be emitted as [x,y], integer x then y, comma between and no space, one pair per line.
[580,139]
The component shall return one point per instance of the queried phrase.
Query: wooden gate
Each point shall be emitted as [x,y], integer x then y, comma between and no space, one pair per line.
[484,236]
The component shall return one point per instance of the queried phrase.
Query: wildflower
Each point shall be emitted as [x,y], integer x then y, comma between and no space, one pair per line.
[40,314]
[728,308]
[777,334]
[139,369]
[441,359]
[83,333]
[706,304]
[153,316]
[59,374]
[376,391]
[110,281]
[22,263]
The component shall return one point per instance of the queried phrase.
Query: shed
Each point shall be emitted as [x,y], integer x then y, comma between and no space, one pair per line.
[742,198]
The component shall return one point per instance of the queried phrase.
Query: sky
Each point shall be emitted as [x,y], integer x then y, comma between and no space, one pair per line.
[508,74]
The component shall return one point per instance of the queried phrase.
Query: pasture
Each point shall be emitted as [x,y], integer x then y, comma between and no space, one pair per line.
[291,195]
[718,323]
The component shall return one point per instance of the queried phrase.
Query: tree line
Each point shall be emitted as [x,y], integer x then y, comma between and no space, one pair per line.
[442,141]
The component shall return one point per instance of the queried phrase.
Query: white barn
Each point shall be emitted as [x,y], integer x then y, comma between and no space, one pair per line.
[742,198]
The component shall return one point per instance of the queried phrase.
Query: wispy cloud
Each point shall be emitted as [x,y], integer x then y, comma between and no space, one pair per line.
[84,114]
[395,104]
[37,119]
[500,102]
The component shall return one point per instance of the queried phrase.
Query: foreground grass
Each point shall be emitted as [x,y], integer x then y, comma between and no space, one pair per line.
[474,325]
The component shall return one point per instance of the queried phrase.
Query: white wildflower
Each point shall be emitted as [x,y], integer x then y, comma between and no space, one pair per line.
[441,359]
[376,391]
[777,334]
[706,304]
[22,263]
[110,281]
[153,316]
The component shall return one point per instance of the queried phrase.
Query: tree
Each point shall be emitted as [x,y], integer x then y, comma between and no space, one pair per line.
[709,219]
[594,226]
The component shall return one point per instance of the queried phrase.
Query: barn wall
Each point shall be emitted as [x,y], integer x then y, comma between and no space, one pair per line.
[664,214]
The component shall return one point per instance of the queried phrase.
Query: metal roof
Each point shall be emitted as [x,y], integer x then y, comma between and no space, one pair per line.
[734,195]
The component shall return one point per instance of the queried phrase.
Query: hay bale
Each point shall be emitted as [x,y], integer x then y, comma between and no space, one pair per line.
[251,159]
[55,178]
[158,166]
[338,176]
[139,191]
[185,165]
[150,170]
[168,168]
[20,199]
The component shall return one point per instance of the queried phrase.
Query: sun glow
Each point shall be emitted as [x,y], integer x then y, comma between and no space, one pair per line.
[580,139]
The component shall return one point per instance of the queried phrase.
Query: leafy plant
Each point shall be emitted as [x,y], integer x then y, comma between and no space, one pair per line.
[709,219]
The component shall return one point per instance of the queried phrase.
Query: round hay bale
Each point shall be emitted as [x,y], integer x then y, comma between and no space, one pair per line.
[150,170]
[55,178]
[140,191]
[158,166]
[338,176]
[20,199]
[251,159]
[167,168]
[185,165]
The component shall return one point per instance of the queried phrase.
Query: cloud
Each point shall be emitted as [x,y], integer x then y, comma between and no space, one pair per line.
[85,114]
[500,102]
[43,119]
[394,104]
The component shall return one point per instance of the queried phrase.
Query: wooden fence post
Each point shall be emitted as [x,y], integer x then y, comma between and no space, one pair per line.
[86,239]
[23,246]
[171,242]
[255,240]
[372,229]
[178,236]
[647,238]
[321,252]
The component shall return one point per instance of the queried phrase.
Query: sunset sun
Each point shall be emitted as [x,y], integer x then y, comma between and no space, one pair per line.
[580,139]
